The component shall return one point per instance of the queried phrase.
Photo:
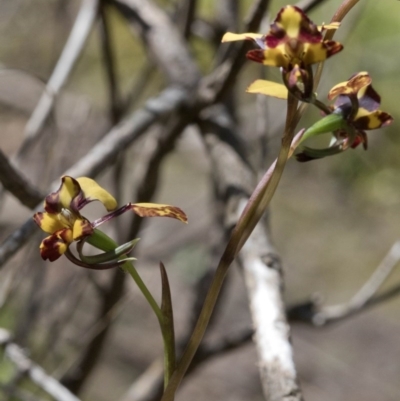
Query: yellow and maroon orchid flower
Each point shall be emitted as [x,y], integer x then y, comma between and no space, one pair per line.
[293,43]
[356,109]
[359,103]
[63,221]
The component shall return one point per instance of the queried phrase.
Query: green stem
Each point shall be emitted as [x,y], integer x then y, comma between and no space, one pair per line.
[105,243]
[129,268]
[250,216]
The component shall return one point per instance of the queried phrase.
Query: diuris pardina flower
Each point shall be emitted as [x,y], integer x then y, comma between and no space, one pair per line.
[65,224]
[356,109]
[293,43]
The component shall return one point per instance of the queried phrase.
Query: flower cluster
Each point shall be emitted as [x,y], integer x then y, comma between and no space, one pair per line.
[294,43]
[357,110]
[65,224]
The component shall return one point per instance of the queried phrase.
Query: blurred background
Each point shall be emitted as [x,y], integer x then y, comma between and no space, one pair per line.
[332,221]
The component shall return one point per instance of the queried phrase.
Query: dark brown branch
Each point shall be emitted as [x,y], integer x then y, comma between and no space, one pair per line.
[185,17]
[109,63]
[16,184]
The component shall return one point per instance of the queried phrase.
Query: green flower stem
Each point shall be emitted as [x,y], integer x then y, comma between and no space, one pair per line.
[253,212]
[167,335]
[105,243]
[129,268]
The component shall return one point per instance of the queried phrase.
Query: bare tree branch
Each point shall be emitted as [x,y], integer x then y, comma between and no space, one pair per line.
[34,371]
[263,274]
[185,16]
[16,184]
[71,52]
[315,313]
[162,38]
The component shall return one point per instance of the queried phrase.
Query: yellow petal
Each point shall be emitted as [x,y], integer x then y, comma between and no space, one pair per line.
[155,209]
[273,57]
[81,228]
[276,57]
[48,222]
[314,53]
[68,191]
[367,120]
[268,88]
[93,191]
[233,37]
[290,20]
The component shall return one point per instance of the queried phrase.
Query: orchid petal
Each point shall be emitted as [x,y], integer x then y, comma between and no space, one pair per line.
[268,88]
[352,86]
[272,57]
[53,246]
[317,52]
[366,120]
[155,209]
[48,222]
[81,228]
[93,191]
[233,37]
[68,191]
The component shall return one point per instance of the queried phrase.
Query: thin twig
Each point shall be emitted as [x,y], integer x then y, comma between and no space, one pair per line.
[364,296]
